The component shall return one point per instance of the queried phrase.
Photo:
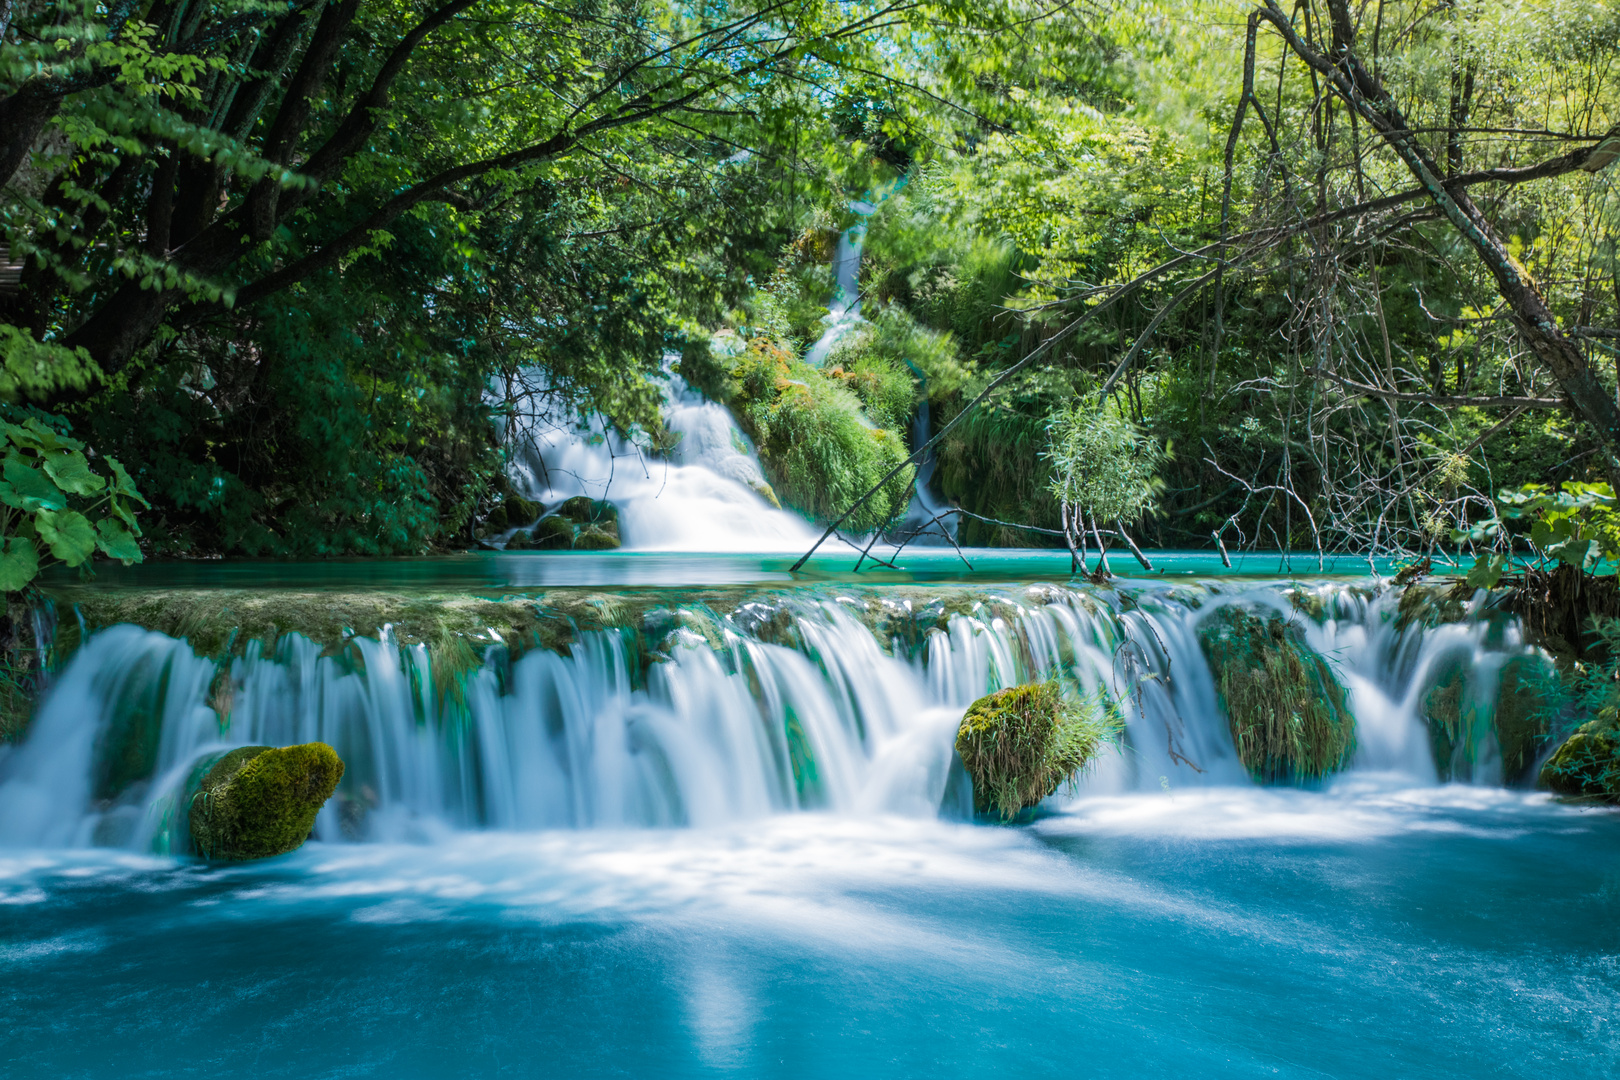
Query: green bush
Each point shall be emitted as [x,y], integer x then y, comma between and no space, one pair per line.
[53,506]
[818,448]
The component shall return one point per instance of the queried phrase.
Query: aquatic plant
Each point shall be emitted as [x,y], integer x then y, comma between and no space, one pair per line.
[1287,710]
[259,801]
[1020,743]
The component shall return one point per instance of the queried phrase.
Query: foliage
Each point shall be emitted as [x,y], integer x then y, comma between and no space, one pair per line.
[1021,743]
[1587,765]
[54,506]
[819,450]
[1102,464]
[1287,709]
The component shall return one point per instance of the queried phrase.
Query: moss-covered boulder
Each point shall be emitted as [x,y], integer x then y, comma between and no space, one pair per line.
[1288,713]
[1586,766]
[1431,605]
[259,801]
[581,524]
[1019,744]
[1528,702]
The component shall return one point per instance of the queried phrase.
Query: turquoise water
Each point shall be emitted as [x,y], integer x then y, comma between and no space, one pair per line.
[542,569]
[1373,930]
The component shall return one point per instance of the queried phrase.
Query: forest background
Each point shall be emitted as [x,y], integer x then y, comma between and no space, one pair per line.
[296,275]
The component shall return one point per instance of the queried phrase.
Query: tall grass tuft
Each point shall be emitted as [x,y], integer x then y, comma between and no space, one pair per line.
[1020,744]
[1288,713]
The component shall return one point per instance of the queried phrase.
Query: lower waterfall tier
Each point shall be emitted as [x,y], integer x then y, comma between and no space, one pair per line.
[659,709]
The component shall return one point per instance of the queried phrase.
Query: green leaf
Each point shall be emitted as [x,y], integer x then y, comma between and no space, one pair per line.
[19,564]
[33,487]
[68,534]
[123,485]
[72,473]
[1487,571]
[117,541]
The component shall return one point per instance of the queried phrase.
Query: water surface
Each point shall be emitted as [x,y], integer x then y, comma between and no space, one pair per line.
[1373,930]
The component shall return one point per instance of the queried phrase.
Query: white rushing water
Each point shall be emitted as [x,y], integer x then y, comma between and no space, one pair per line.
[704,495]
[716,724]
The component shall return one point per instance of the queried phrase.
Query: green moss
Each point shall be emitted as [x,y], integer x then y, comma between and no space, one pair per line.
[520,511]
[1287,710]
[554,534]
[1586,766]
[1450,718]
[519,541]
[259,801]
[1432,605]
[581,523]
[1528,704]
[1019,744]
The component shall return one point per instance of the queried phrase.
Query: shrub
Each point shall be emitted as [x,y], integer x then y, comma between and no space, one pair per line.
[819,450]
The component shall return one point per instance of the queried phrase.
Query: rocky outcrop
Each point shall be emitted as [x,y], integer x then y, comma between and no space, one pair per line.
[1587,766]
[580,524]
[1287,710]
[1019,744]
[259,801]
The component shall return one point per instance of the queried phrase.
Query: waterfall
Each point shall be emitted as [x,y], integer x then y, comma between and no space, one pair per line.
[816,701]
[706,494]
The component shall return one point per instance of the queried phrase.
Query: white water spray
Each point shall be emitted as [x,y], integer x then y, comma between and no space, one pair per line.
[722,725]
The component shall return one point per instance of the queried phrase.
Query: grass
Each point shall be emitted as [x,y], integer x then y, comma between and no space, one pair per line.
[819,449]
[1020,744]
[1289,717]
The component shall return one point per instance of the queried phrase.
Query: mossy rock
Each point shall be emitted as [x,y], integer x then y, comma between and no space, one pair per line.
[1449,718]
[521,511]
[1587,766]
[584,510]
[1288,712]
[260,801]
[1433,605]
[597,538]
[554,533]
[519,541]
[1528,700]
[1019,744]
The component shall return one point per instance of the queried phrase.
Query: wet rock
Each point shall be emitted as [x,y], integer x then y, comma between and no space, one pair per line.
[1433,605]
[259,801]
[519,541]
[1019,744]
[1528,700]
[1586,766]
[581,524]
[1288,712]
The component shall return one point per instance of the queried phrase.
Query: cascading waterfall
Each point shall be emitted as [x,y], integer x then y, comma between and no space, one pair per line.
[705,494]
[815,701]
